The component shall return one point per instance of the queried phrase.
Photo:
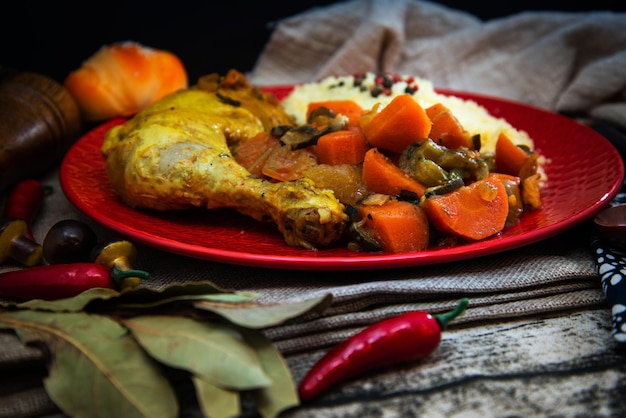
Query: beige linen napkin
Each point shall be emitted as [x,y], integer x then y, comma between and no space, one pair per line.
[565,62]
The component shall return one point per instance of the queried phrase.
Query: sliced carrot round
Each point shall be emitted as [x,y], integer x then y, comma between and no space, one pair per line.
[400,226]
[341,147]
[381,175]
[473,212]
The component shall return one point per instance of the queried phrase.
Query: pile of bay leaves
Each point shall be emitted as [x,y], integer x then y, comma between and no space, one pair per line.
[114,354]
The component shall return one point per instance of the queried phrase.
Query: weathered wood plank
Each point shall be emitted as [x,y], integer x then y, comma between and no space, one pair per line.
[545,366]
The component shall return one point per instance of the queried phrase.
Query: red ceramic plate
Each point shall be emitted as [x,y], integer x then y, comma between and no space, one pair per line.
[584,173]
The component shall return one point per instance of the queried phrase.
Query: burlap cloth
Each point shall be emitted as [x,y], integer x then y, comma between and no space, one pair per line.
[550,60]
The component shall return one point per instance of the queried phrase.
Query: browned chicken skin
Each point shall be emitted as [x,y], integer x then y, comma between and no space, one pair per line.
[175,155]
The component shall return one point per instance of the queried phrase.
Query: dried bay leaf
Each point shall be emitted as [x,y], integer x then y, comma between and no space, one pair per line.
[214,351]
[96,368]
[148,298]
[222,297]
[256,315]
[216,402]
[177,290]
[74,304]
[282,394]
[98,364]
[140,297]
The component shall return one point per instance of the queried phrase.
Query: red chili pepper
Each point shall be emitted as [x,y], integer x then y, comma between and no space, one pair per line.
[56,281]
[24,202]
[404,338]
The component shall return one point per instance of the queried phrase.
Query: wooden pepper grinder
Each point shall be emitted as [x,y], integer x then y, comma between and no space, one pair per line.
[39,121]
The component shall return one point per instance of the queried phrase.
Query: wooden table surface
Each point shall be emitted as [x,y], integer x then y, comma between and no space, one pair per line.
[559,366]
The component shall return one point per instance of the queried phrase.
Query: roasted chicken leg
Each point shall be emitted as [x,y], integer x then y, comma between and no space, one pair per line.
[176,154]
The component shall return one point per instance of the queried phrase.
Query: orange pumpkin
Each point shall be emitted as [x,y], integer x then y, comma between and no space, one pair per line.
[123,78]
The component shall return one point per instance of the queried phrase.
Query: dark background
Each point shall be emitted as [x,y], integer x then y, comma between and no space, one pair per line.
[208,36]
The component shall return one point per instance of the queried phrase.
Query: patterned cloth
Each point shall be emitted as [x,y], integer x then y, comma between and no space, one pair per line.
[611,264]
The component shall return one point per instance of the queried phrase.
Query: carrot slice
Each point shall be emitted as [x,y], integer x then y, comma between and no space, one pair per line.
[446,129]
[399,124]
[349,108]
[509,157]
[381,175]
[341,147]
[399,226]
[473,212]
